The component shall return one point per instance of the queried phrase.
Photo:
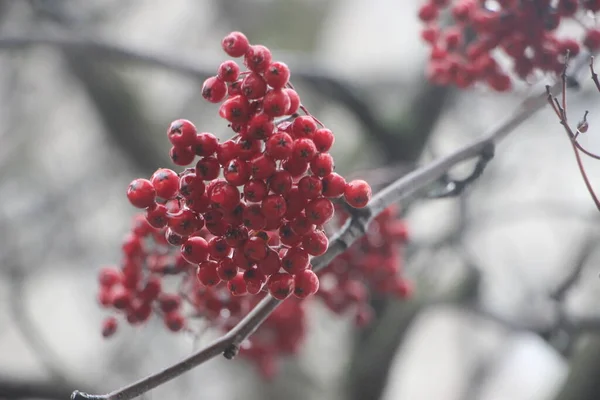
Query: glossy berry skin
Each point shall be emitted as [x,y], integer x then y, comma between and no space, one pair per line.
[357,193]
[276,103]
[295,260]
[280,285]
[195,250]
[257,58]
[237,285]
[205,144]
[157,216]
[207,273]
[214,89]
[165,182]
[182,156]
[141,193]
[277,75]
[181,133]
[306,283]
[323,139]
[235,44]
[294,100]
[319,211]
[334,185]
[228,71]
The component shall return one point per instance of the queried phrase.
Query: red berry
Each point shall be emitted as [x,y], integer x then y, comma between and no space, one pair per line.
[305,284]
[295,260]
[165,182]
[228,71]
[274,206]
[207,273]
[270,264]
[237,172]
[235,109]
[323,139]
[592,39]
[281,285]
[182,156]
[174,321]
[225,196]
[255,190]
[281,182]
[181,133]
[257,58]
[253,217]
[157,216]
[237,285]
[109,276]
[280,146]
[334,185]
[195,250]
[315,243]
[304,127]
[208,168]
[304,149]
[141,193]
[322,164]
[255,249]
[319,211]
[235,44]
[310,187]
[277,75]
[294,101]
[191,185]
[205,144]
[428,12]
[214,89]
[357,193]
[276,103]
[254,86]
[109,326]
[260,127]
[263,167]
[227,269]
[185,222]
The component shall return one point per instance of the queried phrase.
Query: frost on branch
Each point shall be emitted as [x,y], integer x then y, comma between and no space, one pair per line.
[247,218]
[466,49]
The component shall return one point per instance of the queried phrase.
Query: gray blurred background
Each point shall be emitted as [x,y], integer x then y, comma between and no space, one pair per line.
[506,303]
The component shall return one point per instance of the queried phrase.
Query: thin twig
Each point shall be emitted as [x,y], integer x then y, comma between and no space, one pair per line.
[594,74]
[583,255]
[354,228]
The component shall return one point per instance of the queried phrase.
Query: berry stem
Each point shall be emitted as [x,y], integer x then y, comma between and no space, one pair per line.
[353,229]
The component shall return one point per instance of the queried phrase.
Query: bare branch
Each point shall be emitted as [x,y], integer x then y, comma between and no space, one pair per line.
[583,255]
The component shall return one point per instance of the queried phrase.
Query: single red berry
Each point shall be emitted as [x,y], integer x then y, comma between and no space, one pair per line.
[276,103]
[255,249]
[195,250]
[174,239]
[208,168]
[121,298]
[296,166]
[253,217]
[319,211]
[225,196]
[205,144]
[237,172]
[257,58]
[174,321]
[334,185]
[227,269]
[323,139]
[270,264]
[428,12]
[304,127]
[169,302]
[214,89]
[592,39]
[294,101]
[281,285]
[228,71]
[260,127]
[181,133]
[235,44]
[157,216]
[182,156]
[236,236]
[218,248]
[109,327]
[306,283]
[301,225]
[295,203]
[255,190]
[304,149]
[322,164]
[310,187]
[357,193]
[141,193]
[287,236]
[315,243]
[281,182]
[254,280]
[227,151]
[263,167]
[152,289]
[191,185]
[295,260]
[254,86]
[274,206]
[247,149]
[207,273]
[109,276]
[237,285]
[235,109]
[279,146]
[185,222]
[165,182]
[277,75]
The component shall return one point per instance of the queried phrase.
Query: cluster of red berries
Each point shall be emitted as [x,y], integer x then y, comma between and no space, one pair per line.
[373,262]
[464,51]
[246,219]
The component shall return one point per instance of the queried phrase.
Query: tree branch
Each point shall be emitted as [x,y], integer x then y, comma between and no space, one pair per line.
[354,228]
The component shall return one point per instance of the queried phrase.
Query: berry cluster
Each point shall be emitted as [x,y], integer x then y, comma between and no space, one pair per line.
[246,219]
[464,52]
[373,262]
